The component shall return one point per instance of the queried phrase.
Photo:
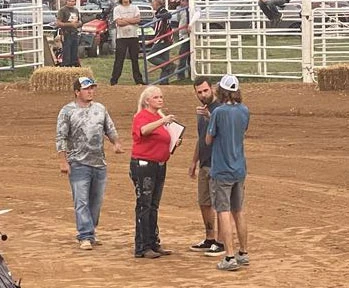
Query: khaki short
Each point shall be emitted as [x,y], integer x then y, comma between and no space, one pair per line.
[204,188]
[227,196]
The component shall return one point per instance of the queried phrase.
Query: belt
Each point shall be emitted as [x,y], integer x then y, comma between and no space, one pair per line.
[142,162]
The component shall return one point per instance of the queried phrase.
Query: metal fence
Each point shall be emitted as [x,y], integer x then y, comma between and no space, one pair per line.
[21,45]
[234,36]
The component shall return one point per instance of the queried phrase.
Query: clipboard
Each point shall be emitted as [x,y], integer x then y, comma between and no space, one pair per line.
[176,131]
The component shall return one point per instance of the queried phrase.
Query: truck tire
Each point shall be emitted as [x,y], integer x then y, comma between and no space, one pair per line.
[94,50]
[81,52]
[105,49]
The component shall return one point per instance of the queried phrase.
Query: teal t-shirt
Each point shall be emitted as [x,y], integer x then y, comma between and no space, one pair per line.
[228,125]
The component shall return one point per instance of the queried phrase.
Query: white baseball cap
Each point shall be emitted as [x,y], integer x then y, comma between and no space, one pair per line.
[229,82]
[86,82]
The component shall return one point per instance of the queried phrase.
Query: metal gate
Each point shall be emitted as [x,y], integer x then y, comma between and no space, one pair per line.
[21,43]
[234,36]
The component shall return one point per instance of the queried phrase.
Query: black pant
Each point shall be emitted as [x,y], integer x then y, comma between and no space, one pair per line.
[122,45]
[148,178]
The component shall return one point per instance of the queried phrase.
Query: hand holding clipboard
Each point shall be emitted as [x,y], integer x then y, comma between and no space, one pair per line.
[176,131]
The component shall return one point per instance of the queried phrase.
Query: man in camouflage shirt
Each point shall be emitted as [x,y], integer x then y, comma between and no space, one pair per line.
[81,127]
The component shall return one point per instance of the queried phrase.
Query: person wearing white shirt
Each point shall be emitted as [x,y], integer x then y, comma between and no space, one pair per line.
[126,17]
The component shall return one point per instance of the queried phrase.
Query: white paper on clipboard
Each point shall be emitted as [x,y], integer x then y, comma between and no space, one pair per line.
[176,131]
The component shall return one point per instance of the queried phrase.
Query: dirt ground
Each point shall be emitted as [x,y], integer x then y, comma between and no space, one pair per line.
[296,196]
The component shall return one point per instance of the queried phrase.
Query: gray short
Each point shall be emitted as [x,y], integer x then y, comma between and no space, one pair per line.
[204,189]
[227,196]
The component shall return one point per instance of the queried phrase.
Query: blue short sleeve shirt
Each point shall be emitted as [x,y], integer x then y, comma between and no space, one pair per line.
[227,126]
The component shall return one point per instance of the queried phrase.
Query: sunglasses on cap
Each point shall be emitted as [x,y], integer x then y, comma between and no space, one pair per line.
[86,82]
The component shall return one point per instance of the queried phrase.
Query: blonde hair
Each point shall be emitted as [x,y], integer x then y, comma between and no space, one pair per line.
[148,92]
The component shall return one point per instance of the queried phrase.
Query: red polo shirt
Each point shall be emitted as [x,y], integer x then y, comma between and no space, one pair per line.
[153,147]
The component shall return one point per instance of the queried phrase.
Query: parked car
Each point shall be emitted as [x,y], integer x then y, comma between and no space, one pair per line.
[25,16]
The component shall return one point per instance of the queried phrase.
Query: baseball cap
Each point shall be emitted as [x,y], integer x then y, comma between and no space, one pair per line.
[229,82]
[86,82]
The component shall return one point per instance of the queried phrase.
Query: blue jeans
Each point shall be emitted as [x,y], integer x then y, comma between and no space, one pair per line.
[148,178]
[269,8]
[70,50]
[88,185]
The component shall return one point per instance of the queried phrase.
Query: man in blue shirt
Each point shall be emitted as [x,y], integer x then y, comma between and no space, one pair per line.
[226,131]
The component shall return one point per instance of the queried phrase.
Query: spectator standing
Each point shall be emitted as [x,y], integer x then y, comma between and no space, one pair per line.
[269,8]
[202,155]
[162,27]
[226,130]
[126,17]
[183,19]
[81,127]
[150,152]
[68,19]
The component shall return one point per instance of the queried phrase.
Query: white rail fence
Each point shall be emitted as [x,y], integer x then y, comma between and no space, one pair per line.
[231,36]
[234,36]
[21,45]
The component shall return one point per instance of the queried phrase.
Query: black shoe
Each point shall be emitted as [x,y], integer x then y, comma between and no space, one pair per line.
[140,83]
[113,82]
[203,246]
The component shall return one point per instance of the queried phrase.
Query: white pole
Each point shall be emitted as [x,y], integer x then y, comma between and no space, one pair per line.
[307,41]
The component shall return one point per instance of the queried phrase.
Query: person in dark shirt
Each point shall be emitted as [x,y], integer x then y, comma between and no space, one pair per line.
[202,156]
[162,27]
[68,19]
[269,8]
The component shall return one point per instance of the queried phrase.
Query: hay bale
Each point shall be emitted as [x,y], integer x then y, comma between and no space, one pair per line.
[57,78]
[334,77]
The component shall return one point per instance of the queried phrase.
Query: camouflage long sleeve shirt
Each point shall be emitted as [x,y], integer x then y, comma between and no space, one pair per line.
[81,131]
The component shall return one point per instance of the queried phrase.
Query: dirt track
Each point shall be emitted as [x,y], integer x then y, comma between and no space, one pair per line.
[297,195]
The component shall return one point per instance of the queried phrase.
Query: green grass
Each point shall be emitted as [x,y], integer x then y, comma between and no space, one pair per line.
[102,66]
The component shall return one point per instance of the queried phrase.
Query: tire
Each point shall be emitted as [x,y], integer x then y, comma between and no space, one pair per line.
[81,52]
[94,50]
[105,48]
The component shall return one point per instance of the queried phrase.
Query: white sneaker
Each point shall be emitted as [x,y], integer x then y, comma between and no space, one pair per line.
[243,259]
[97,242]
[86,244]
[230,265]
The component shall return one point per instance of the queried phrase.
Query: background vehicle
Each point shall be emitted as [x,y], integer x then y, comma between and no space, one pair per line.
[95,36]
[25,16]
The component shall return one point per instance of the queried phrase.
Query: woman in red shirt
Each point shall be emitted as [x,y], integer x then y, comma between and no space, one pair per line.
[150,151]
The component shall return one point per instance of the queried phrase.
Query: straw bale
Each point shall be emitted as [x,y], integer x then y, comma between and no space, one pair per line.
[57,78]
[334,77]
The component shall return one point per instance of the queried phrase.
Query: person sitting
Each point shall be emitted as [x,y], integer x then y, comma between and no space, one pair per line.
[269,8]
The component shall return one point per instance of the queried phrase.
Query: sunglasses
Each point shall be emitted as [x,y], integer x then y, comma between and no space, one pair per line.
[87,82]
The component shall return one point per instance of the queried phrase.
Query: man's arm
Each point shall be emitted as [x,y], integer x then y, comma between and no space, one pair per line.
[117,147]
[128,21]
[195,160]
[61,141]
[61,24]
[208,139]
[63,162]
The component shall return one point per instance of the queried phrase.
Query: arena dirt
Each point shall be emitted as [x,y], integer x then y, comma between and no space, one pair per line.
[296,194]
